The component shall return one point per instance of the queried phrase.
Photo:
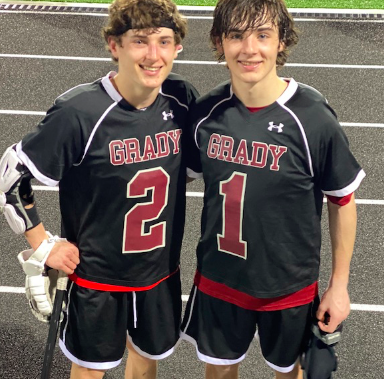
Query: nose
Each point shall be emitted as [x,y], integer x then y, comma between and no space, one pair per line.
[152,52]
[250,45]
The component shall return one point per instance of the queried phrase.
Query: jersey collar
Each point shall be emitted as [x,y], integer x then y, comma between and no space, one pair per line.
[110,89]
[289,91]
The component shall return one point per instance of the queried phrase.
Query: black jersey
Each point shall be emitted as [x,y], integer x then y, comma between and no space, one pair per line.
[265,177]
[121,178]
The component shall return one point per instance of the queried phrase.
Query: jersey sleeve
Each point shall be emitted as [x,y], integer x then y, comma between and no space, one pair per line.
[337,169]
[54,146]
[191,148]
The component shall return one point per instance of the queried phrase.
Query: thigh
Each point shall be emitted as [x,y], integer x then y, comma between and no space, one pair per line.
[283,335]
[154,319]
[93,332]
[221,331]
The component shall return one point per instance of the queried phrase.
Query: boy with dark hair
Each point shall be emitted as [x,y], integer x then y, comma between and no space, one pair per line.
[268,149]
[114,149]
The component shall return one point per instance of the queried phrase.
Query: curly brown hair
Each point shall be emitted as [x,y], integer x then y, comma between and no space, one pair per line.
[143,14]
[248,15]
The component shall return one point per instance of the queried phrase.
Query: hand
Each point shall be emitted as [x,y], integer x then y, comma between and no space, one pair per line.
[336,303]
[64,256]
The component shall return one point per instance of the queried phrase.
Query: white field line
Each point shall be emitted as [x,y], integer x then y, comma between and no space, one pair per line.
[362,124]
[354,307]
[181,8]
[201,194]
[211,63]
[17,112]
[323,20]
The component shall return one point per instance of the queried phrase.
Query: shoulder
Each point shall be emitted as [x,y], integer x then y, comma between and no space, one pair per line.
[175,86]
[311,108]
[84,98]
[207,104]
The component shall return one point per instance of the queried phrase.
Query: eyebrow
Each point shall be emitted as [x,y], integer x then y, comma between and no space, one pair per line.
[258,29]
[264,29]
[138,35]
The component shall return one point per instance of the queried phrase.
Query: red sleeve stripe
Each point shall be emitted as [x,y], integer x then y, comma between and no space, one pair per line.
[340,200]
[112,288]
[243,300]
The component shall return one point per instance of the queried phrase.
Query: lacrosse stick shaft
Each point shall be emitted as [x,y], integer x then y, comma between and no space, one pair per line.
[54,325]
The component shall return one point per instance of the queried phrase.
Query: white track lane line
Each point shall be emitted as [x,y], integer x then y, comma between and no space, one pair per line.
[201,194]
[354,307]
[210,63]
[210,18]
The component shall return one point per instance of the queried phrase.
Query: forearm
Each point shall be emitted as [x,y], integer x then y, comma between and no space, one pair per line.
[342,228]
[35,236]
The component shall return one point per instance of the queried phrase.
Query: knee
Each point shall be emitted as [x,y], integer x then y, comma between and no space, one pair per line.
[133,355]
[79,372]
[296,373]
[221,371]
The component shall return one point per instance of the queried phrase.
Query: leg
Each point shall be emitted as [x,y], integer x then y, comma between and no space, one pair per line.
[296,373]
[282,335]
[94,340]
[138,366]
[78,372]
[221,372]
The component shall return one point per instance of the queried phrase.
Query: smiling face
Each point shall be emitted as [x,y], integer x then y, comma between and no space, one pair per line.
[145,57]
[251,54]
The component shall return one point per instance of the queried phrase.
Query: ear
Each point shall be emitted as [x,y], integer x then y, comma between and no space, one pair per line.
[179,49]
[219,46]
[112,44]
[281,46]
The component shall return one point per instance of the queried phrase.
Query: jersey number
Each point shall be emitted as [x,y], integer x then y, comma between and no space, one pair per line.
[230,240]
[136,240]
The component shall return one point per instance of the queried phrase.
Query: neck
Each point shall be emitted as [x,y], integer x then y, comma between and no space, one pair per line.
[262,94]
[137,97]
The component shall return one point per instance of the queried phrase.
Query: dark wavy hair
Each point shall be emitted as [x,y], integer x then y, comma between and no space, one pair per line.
[248,15]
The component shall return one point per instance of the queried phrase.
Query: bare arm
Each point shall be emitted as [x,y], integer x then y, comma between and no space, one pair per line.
[64,255]
[335,300]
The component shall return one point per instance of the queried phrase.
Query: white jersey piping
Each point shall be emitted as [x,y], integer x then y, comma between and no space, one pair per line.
[174,98]
[191,309]
[283,370]
[134,310]
[303,135]
[194,175]
[69,90]
[31,166]
[109,87]
[348,189]
[209,114]
[287,94]
[69,302]
[208,359]
[86,364]
[154,357]
[94,131]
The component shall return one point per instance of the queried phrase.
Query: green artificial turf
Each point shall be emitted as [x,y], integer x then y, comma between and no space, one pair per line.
[338,4]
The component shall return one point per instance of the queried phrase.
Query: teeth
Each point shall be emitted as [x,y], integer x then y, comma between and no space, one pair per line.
[150,68]
[249,63]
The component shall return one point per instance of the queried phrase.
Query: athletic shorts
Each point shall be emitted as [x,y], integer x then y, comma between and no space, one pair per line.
[97,324]
[222,332]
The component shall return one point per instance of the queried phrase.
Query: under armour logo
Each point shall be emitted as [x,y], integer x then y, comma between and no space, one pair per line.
[166,115]
[278,128]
